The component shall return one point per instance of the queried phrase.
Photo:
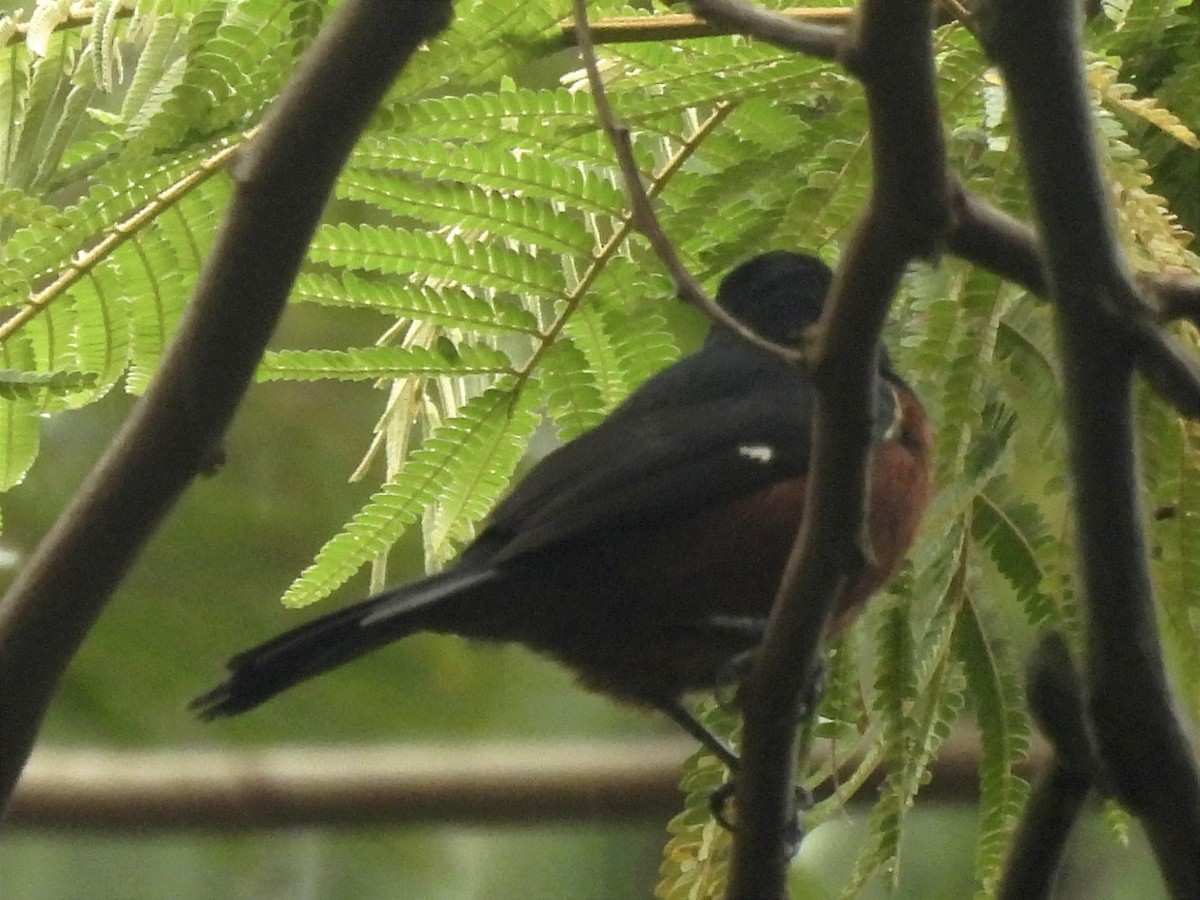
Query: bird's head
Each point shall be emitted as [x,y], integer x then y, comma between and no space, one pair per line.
[777,294]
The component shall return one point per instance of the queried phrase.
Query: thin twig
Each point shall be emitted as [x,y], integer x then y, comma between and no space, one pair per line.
[600,258]
[85,260]
[643,217]
[787,33]
[1177,295]
[682,26]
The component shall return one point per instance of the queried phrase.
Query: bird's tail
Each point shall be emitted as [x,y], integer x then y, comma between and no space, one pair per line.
[258,674]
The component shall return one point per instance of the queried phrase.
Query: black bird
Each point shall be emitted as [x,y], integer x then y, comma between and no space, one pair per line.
[645,554]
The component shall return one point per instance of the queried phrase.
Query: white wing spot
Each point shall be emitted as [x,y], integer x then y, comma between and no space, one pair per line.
[762,453]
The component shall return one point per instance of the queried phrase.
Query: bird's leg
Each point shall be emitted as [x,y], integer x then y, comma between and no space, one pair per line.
[749,631]
[683,717]
[719,798]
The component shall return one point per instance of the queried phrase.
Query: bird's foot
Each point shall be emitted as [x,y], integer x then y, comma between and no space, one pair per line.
[722,800]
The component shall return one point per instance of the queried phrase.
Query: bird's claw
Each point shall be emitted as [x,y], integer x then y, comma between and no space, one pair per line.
[719,801]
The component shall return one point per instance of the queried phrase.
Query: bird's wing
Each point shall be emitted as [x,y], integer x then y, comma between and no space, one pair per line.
[646,463]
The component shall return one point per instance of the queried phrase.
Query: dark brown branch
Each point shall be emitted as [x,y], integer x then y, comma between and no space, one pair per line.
[1177,295]
[990,238]
[1055,802]
[890,49]
[282,183]
[995,240]
[1144,755]
[1057,799]
[775,28]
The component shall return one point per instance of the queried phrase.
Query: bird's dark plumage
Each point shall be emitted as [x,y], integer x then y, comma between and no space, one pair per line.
[627,553]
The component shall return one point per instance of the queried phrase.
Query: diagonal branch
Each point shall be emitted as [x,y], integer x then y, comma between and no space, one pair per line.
[283,180]
[889,48]
[641,210]
[1056,800]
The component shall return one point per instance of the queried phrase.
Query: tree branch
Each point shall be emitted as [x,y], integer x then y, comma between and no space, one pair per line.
[283,180]
[1104,331]
[1057,705]
[889,48]
[681,26]
[641,210]
[775,28]
[397,784]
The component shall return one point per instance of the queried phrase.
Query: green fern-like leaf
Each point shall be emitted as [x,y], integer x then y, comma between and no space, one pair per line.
[588,330]
[370,363]
[881,849]
[101,336]
[1014,533]
[534,223]
[446,305]
[642,343]
[895,691]
[1004,730]
[696,857]
[1172,454]
[19,385]
[400,252]
[492,166]
[497,38]
[18,419]
[481,427]
[153,77]
[476,477]
[572,398]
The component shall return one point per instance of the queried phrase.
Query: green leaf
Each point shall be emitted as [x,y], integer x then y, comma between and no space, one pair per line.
[21,385]
[1004,729]
[475,478]
[534,223]
[18,421]
[1013,531]
[446,304]
[696,857]
[370,363]
[483,427]
[397,251]
[571,395]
